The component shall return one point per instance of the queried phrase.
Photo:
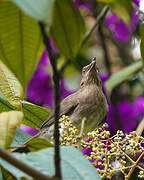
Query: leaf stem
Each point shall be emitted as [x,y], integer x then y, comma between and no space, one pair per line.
[99,18]
[56,78]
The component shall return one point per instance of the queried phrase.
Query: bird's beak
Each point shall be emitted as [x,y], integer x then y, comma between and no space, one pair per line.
[93,64]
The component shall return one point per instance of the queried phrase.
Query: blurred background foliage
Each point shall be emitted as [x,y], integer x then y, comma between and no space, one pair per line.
[116,45]
[78,30]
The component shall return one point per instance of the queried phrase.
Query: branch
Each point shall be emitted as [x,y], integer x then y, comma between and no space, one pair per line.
[56,77]
[98,19]
[121,49]
[135,164]
[105,49]
[23,166]
[140,128]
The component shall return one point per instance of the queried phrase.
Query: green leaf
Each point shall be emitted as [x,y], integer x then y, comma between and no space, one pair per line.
[10,87]
[67,28]
[5,105]
[20,41]
[73,163]
[9,121]
[142,41]
[34,115]
[123,75]
[41,10]
[36,144]
[20,138]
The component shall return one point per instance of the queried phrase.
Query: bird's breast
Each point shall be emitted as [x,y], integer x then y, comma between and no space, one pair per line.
[92,103]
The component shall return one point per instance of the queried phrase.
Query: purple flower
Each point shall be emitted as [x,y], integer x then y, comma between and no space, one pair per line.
[83,4]
[125,115]
[137,2]
[87,151]
[120,30]
[29,130]
[40,89]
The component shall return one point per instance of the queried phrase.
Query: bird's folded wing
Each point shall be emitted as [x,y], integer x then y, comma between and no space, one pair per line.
[67,107]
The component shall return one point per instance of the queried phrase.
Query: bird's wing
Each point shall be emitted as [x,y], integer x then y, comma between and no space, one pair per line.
[67,106]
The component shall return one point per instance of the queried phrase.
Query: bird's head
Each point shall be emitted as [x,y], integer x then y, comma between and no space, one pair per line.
[90,74]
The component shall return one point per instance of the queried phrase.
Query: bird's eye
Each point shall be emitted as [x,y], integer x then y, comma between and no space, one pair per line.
[83,71]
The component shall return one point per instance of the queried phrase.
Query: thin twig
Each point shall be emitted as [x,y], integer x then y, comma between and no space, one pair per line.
[105,49]
[103,40]
[82,127]
[122,50]
[140,128]
[99,17]
[23,166]
[127,156]
[135,164]
[142,169]
[56,77]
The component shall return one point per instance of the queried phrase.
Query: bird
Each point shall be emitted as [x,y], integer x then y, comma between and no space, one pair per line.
[88,102]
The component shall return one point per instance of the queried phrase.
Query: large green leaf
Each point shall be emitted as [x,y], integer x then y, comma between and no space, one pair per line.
[34,115]
[20,138]
[25,142]
[20,41]
[9,121]
[10,87]
[41,10]
[37,143]
[74,165]
[123,75]
[67,28]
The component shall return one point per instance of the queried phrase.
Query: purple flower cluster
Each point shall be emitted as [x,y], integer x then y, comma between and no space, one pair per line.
[29,130]
[40,89]
[120,30]
[125,115]
[83,4]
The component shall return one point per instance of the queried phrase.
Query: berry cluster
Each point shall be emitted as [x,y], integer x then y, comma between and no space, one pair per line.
[119,155]
[69,133]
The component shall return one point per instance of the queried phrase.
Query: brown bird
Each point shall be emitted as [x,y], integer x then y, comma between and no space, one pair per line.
[88,102]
